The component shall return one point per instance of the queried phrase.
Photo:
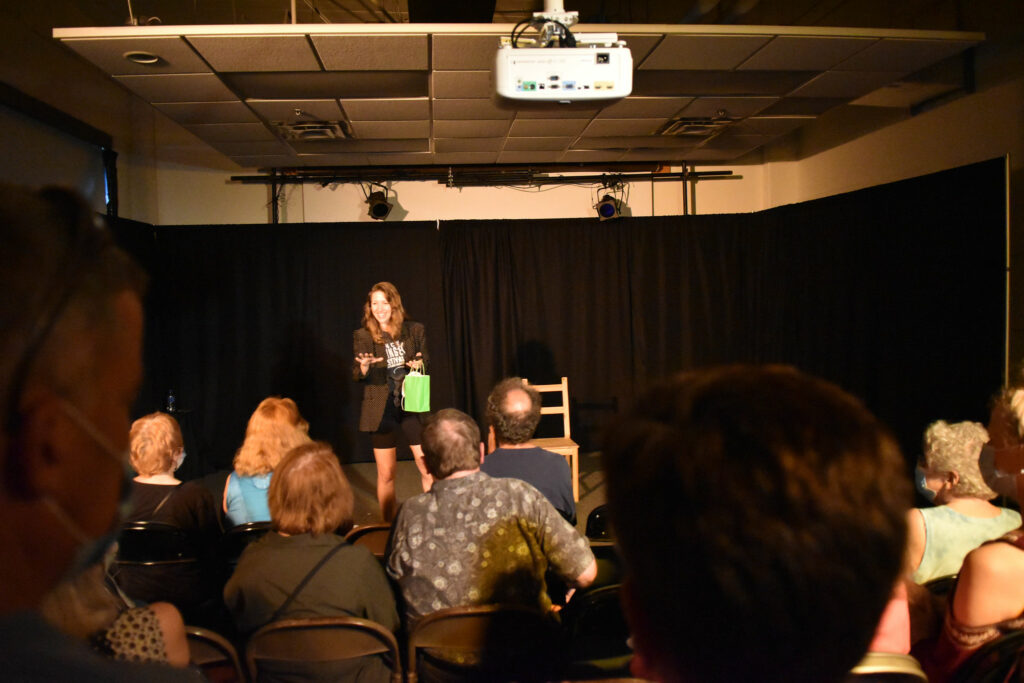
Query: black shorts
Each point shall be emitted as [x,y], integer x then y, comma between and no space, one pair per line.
[394,417]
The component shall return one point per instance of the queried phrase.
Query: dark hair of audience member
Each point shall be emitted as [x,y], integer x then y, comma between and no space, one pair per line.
[512,427]
[761,515]
[451,443]
[309,493]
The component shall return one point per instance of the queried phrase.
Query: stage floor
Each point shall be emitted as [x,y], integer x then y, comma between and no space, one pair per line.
[363,477]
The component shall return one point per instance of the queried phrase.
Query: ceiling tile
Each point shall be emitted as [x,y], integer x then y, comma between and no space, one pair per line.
[390,129]
[457,52]
[539,144]
[328,84]
[770,125]
[455,158]
[470,109]
[232,132]
[605,127]
[528,157]
[582,156]
[903,55]
[644,107]
[284,110]
[683,83]
[801,106]
[250,148]
[468,144]
[845,84]
[714,52]
[463,84]
[372,52]
[640,44]
[362,146]
[804,53]
[532,128]
[470,129]
[178,88]
[208,112]
[626,142]
[256,53]
[734,107]
[176,56]
[557,110]
[394,109]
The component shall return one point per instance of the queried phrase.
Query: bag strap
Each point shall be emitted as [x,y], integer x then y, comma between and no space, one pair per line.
[165,499]
[302,584]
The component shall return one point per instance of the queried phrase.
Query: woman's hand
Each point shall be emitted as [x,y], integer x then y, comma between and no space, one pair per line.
[365,360]
[416,363]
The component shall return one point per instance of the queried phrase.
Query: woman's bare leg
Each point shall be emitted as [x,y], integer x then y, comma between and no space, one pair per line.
[425,479]
[386,459]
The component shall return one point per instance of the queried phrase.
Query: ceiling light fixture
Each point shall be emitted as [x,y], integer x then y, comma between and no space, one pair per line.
[612,201]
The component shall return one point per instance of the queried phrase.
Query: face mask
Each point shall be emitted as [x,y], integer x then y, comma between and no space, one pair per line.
[181,460]
[921,484]
[92,550]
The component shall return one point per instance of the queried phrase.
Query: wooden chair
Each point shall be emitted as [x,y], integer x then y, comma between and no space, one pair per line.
[320,648]
[213,655]
[484,643]
[372,536]
[887,667]
[563,445]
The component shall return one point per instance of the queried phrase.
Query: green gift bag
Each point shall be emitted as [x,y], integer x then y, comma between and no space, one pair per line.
[416,391]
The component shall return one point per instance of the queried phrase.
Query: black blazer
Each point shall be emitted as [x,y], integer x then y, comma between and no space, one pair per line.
[375,383]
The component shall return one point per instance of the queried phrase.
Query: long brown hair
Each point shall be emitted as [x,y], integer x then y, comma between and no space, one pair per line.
[276,426]
[397,312]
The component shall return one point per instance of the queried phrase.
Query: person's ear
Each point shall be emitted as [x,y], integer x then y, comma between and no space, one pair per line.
[38,448]
[953,477]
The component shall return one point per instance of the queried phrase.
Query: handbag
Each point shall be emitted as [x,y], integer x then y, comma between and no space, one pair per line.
[416,391]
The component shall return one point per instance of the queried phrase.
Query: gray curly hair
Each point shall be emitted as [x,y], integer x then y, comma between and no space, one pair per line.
[956,447]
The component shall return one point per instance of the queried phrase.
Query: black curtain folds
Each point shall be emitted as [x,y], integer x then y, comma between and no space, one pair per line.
[896,293]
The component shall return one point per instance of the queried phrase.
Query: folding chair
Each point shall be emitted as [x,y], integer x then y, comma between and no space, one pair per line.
[213,655]
[372,536]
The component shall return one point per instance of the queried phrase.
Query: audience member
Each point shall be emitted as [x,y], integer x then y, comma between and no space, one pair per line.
[761,514]
[938,538]
[70,366]
[157,450]
[513,413]
[310,499]
[1006,435]
[274,429]
[87,608]
[472,539]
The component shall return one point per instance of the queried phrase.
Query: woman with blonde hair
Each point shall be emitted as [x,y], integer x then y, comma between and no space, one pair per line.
[386,347]
[303,568]
[940,537]
[276,426]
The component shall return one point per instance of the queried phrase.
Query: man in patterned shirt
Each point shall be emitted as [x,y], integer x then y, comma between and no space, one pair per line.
[473,540]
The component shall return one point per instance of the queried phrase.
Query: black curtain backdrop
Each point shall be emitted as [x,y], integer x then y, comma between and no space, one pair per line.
[896,293]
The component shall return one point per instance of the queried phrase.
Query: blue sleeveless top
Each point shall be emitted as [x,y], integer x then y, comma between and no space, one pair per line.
[247,499]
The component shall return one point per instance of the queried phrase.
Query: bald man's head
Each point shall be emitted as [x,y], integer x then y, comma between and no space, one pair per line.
[513,410]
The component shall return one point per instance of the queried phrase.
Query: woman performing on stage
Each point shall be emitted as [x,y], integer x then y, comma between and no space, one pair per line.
[386,347]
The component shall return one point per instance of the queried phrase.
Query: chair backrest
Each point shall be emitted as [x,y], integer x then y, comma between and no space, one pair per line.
[500,642]
[372,536]
[563,409]
[155,543]
[941,585]
[237,538]
[212,653]
[311,643]
[597,632]
[996,660]
[887,667]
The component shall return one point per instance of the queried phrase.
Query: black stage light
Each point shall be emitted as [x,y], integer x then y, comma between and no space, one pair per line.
[608,208]
[379,206]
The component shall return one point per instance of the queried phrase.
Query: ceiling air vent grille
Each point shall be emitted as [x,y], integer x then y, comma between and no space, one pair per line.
[700,127]
[310,131]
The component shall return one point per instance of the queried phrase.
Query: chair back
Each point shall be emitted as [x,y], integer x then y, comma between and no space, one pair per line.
[998,660]
[154,543]
[374,537]
[597,633]
[563,445]
[213,655]
[237,538]
[887,667]
[484,642]
[325,648]
[941,585]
